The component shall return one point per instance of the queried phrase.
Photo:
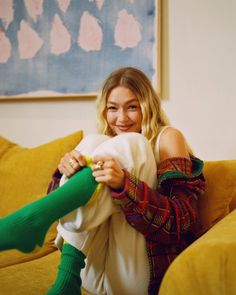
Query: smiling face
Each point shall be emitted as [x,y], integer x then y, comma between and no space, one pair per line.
[123,111]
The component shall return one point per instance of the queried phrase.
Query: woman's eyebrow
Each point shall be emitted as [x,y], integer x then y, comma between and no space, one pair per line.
[127,102]
[132,100]
[111,102]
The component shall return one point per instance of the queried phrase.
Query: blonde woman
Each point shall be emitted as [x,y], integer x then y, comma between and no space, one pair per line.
[141,214]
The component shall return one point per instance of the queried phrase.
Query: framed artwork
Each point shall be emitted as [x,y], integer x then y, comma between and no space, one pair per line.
[64,48]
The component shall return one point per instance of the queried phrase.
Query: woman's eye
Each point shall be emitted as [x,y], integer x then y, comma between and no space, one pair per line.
[132,107]
[111,108]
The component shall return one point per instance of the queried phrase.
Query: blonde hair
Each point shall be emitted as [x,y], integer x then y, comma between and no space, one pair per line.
[153,116]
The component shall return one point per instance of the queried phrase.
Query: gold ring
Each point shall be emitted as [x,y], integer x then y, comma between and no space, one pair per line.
[72,162]
[98,165]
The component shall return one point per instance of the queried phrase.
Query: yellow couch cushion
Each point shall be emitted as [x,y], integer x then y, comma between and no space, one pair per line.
[31,278]
[24,177]
[220,196]
[208,266]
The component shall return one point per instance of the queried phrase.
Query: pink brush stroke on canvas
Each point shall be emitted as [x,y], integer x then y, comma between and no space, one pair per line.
[5,48]
[7,13]
[127,30]
[29,41]
[34,8]
[60,37]
[63,5]
[90,33]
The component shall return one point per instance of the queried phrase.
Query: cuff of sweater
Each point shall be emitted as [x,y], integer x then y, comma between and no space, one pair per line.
[125,196]
[56,177]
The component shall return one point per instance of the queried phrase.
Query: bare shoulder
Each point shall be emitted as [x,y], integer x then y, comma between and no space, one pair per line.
[173,144]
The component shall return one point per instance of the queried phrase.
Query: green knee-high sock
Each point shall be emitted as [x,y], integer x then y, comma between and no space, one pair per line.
[25,229]
[68,281]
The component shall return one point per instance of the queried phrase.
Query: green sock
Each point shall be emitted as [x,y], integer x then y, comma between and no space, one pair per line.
[68,281]
[25,229]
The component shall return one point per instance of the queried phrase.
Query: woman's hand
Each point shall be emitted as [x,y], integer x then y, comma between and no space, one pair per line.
[109,172]
[71,162]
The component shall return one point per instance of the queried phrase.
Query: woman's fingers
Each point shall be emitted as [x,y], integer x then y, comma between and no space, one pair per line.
[71,162]
[76,155]
[109,171]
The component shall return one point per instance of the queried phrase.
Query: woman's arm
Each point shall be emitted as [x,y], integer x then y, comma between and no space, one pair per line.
[164,214]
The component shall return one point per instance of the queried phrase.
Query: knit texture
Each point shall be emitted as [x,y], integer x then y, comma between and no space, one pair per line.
[68,281]
[25,229]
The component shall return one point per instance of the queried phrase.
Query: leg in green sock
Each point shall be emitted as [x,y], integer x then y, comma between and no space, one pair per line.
[25,229]
[68,281]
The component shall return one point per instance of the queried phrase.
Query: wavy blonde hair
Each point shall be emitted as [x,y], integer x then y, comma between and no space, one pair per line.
[153,116]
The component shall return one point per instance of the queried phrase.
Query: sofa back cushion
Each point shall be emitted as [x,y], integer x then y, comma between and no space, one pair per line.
[220,196]
[24,177]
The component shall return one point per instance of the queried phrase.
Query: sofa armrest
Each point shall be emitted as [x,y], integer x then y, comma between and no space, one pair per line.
[208,266]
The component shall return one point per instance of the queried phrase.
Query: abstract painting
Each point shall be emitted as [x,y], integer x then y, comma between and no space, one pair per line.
[68,47]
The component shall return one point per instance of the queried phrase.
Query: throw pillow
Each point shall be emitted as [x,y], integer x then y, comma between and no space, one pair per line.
[25,174]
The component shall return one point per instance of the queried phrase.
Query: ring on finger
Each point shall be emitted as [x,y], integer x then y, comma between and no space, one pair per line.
[72,162]
[98,166]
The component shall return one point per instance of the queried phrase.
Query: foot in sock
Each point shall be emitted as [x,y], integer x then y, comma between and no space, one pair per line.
[26,228]
[68,281]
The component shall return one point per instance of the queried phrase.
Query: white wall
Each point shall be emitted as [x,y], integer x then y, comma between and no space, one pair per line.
[199,71]
[34,122]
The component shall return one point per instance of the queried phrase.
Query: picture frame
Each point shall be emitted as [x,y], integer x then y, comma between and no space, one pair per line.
[54,50]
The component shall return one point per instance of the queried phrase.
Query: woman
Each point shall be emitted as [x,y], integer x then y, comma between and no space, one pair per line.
[143,216]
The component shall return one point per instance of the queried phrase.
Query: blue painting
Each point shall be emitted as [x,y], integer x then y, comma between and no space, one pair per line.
[68,47]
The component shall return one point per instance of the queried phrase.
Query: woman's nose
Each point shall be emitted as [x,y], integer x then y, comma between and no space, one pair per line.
[122,116]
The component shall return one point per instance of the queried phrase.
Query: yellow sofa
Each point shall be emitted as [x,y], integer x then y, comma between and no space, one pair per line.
[206,267]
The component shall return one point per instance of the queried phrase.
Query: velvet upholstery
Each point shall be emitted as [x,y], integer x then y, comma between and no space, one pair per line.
[208,266]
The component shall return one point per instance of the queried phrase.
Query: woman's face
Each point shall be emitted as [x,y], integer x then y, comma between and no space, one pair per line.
[123,111]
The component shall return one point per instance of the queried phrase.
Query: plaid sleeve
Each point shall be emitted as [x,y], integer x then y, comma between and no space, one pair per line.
[166,213]
[56,177]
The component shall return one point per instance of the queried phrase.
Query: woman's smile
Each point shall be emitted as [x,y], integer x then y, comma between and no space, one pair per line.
[124,127]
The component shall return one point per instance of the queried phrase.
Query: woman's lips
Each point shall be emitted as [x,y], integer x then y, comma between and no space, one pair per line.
[124,127]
